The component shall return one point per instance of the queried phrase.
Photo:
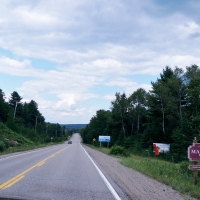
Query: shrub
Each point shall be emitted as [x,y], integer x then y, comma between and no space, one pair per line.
[119,150]
[184,168]
[6,143]
[2,146]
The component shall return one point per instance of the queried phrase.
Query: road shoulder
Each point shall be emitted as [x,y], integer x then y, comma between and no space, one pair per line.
[134,184]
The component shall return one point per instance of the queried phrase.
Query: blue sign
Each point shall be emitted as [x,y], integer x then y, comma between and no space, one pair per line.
[104,138]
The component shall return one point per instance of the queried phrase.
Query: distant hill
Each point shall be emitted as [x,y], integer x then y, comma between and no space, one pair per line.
[74,126]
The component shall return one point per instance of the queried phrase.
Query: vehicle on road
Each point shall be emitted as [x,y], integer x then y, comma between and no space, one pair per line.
[69,142]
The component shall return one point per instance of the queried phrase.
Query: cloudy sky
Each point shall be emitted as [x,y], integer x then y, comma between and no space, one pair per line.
[72,56]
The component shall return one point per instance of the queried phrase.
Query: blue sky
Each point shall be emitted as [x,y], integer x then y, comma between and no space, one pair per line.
[71,57]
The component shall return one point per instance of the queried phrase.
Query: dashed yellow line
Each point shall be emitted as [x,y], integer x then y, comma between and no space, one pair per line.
[20,176]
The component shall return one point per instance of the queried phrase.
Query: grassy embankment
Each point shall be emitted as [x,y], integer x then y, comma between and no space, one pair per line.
[7,137]
[178,176]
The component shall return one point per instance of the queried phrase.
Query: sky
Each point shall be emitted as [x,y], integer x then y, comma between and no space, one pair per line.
[71,57]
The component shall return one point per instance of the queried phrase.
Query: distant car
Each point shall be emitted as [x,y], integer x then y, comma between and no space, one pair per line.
[70,142]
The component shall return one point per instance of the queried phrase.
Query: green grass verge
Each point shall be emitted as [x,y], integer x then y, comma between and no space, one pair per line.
[102,149]
[26,147]
[24,144]
[178,176]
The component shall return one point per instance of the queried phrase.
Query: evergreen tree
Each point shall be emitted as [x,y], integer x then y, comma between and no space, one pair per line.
[15,104]
[137,108]
[4,109]
[120,108]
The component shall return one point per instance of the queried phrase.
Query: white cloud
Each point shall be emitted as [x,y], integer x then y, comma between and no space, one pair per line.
[189,29]
[93,44]
[15,67]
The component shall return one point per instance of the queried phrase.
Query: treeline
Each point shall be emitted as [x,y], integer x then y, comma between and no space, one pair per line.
[24,118]
[169,113]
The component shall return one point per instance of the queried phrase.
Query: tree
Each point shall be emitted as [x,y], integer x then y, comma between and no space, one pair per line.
[160,93]
[4,109]
[191,72]
[138,104]
[194,95]
[162,104]
[120,108]
[15,104]
[178,91]
[33,113]
[98,125]
[166,75]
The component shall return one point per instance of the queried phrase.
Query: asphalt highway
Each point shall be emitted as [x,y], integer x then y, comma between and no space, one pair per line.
[58,172]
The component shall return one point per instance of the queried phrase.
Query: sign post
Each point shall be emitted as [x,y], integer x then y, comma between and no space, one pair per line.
[194,155]
[94,140]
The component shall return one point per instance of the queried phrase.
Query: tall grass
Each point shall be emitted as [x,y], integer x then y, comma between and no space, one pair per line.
[176,175]
[101,149]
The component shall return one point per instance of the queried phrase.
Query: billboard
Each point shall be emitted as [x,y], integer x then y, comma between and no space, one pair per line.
[104,138]
[164,148]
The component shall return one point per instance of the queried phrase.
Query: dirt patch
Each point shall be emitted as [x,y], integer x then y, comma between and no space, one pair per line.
[135,185]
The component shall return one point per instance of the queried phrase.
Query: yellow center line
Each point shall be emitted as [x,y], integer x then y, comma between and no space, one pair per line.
[40,164]
[17,178]
[15,181]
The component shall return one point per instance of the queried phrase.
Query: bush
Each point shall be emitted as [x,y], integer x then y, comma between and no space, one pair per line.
[6,143]
[2,146]
[184,168]
[119,150]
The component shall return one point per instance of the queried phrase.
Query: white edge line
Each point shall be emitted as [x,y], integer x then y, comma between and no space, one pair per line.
[114,193]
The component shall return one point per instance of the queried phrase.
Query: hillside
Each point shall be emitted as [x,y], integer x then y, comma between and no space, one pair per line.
[10,138]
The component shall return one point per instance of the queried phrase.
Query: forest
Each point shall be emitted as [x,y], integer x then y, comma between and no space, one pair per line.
[168,113]
[25,119]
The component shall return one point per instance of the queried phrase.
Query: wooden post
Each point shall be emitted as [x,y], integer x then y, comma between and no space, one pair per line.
[195,163]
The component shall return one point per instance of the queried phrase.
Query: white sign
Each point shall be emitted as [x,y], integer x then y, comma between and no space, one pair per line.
[104,138]
[164,148]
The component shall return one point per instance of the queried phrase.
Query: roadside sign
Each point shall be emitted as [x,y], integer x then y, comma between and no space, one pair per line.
[194,167]
[194,152]
[194,155]
[164,148]
[104,138]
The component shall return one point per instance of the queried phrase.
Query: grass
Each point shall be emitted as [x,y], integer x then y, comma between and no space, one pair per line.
[24,147]
[24,143]
[27,147]
[102,149]
[178,176]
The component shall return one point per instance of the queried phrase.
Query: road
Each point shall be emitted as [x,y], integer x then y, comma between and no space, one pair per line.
[58,172]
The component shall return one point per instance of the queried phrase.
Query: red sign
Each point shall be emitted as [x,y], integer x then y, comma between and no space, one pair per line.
[194,152]
[194,167]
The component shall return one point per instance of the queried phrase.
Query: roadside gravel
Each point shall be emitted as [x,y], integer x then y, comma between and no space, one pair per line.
[135,185]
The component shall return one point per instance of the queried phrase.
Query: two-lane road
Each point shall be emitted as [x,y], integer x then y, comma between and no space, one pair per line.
[58,172]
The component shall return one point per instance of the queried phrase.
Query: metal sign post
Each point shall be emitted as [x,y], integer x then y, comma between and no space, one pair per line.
[94,140]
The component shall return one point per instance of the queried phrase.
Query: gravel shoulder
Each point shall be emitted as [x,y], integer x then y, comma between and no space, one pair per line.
[135,185]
